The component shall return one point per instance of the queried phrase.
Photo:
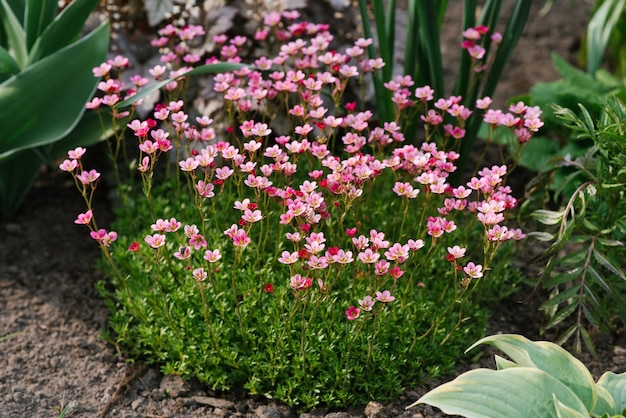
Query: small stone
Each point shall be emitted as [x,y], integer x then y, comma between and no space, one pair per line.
[619,351]
[266,411]
[135,404]
[150,379]
[374,410]
[209,401]
[13,228]
[338,415]
[174,386]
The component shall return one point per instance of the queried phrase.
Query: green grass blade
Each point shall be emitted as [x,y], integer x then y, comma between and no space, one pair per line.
[469,20]
[39,14]
[430,62]
[383,97]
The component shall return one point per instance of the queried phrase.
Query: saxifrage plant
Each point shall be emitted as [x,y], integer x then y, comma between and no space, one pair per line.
[541,380]
[45,81]
[262,259]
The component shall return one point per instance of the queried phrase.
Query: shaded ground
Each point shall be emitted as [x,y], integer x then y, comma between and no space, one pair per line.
[51,318]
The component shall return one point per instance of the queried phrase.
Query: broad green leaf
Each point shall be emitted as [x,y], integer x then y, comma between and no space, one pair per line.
[39,14]
[89,130]
[64,30]
[15,33]
[49,97]
[515,392]
[615,384]
[550,358]
[17,174]
[538,153]
[203,69]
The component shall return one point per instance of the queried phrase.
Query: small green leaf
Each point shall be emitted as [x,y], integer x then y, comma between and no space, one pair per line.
[563,296]
[564,411]
[561,315]
[602,259]
[502,363]
[548,217]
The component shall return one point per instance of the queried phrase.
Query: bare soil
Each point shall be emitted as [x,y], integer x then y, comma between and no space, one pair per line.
[53,356]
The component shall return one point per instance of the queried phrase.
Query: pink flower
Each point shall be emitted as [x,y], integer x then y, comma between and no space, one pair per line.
[353,313]
[68,165]
[288,258]
[368,256]
[212,256]
[474,271]
[88,177]
[84,218]
[297,282]
[241,239]
[367,303]
[197,241]
[384,296]
[76,153]
[199,274]
[103,237]
[455,252]
[133,247]
[268,288]
[155,241]
[183,253]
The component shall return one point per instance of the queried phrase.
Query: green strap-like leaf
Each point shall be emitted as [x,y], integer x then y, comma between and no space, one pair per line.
[45,101]
[220,67]
[515,392]
[64,30]
[549,358]
[15,33]
[39,14]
